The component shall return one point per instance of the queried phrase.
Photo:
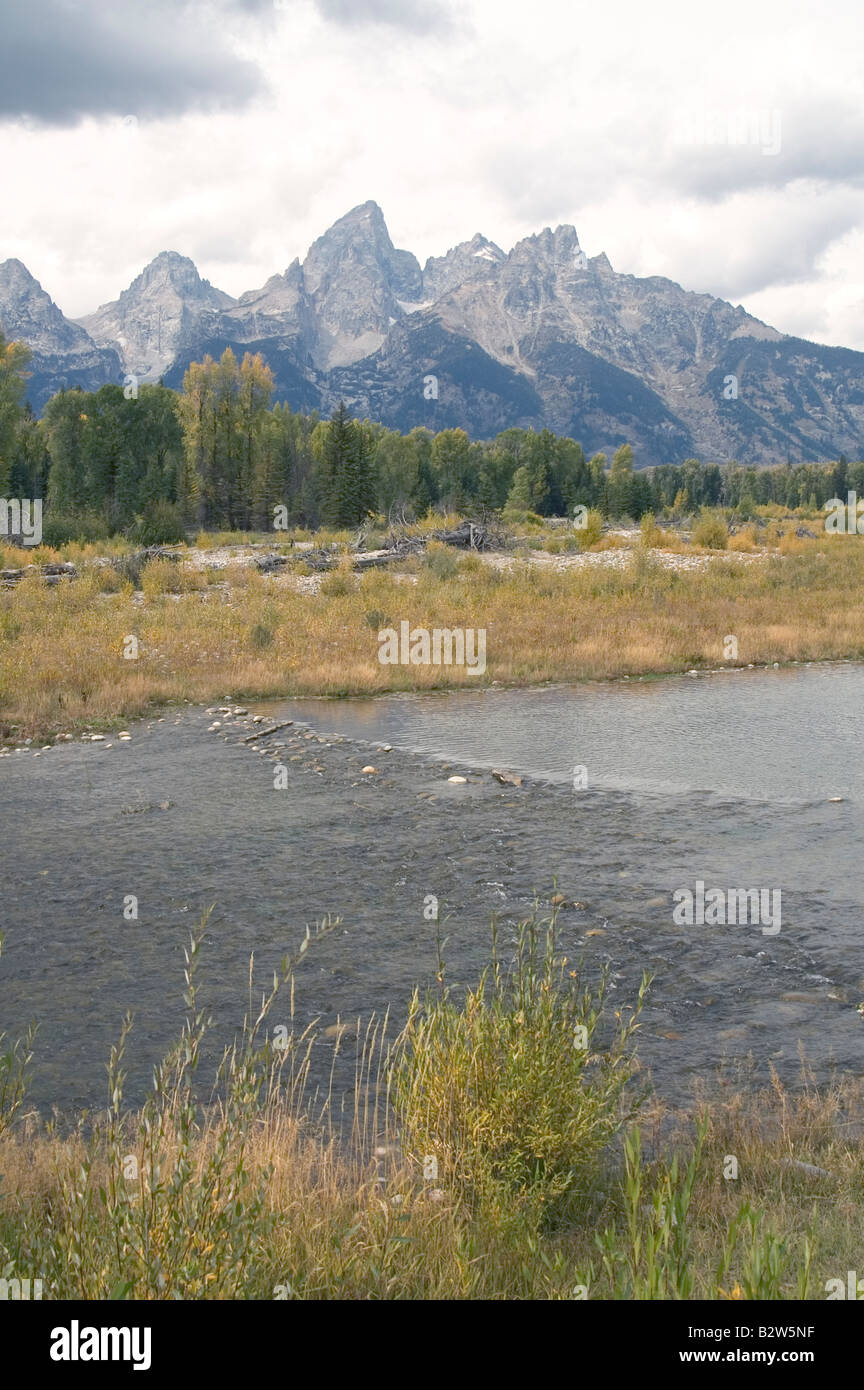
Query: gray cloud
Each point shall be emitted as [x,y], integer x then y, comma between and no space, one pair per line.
[822,143]
[61,61]
[418,16]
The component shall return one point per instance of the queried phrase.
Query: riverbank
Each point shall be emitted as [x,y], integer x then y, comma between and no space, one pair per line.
[88,653]
[547,1179]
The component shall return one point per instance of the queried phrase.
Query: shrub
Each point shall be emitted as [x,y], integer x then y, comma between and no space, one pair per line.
[711,531]
[160,577]
[440,560]
[161,524]
[745,541]
[592,531]
[651,534]
[129,567]
[518,516]
[500,1089]
[58,531]
[340,581]
[106,579]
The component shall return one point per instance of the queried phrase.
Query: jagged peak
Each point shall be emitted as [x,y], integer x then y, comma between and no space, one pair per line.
[479,245]
[557,245]
[368,209]
[365,218]
[170,258]
[168,266]
[13,271]
[172,271]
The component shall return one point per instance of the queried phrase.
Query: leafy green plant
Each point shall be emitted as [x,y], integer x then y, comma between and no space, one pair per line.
[650,1258]
[513,1091]
[711,531]
[592,531]
[15,1062]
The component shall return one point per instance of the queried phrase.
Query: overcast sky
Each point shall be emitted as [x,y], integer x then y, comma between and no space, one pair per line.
[236,131]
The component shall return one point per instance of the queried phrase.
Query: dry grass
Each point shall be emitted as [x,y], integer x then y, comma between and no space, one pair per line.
[340,1224]
[61,649]
[253,1195]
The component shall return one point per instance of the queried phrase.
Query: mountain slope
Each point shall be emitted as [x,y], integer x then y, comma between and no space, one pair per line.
[63,353]
[542,335]
[165,308]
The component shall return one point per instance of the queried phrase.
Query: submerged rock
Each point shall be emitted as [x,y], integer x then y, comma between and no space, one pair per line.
[507,779]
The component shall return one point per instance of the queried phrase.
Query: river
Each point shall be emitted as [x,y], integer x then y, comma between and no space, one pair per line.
[738,780]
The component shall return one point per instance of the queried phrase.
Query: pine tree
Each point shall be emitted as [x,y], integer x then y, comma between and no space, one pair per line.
[349,476]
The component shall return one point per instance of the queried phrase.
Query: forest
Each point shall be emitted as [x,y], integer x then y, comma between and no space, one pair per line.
[153,463]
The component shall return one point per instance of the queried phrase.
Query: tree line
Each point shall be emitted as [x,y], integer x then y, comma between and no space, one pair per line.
[154,463]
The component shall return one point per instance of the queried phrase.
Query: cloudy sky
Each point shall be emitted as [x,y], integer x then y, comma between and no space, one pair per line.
[721,146]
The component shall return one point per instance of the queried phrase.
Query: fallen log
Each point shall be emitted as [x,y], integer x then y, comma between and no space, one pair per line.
[265,733]
[51,573]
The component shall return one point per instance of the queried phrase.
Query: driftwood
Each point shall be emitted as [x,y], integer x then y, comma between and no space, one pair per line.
[265,733]
[399,544]
[266,564]
[468,535]
[52,574]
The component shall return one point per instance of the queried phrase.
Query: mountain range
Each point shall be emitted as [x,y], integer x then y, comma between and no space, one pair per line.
[478,338]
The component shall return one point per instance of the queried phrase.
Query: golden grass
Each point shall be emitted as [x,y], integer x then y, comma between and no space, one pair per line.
[61,649]
[346,1226]
[259,1195]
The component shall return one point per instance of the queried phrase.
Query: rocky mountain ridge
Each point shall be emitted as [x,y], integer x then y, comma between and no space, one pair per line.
[477,338]
[158,317]
[64,354]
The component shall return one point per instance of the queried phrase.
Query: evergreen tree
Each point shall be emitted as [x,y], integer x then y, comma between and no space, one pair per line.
[349,478]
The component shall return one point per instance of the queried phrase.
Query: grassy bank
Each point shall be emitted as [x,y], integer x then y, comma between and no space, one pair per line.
[501,1148]
[205,634]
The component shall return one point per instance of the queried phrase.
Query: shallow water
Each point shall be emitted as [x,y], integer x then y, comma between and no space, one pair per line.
[756,735]
[724,778]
